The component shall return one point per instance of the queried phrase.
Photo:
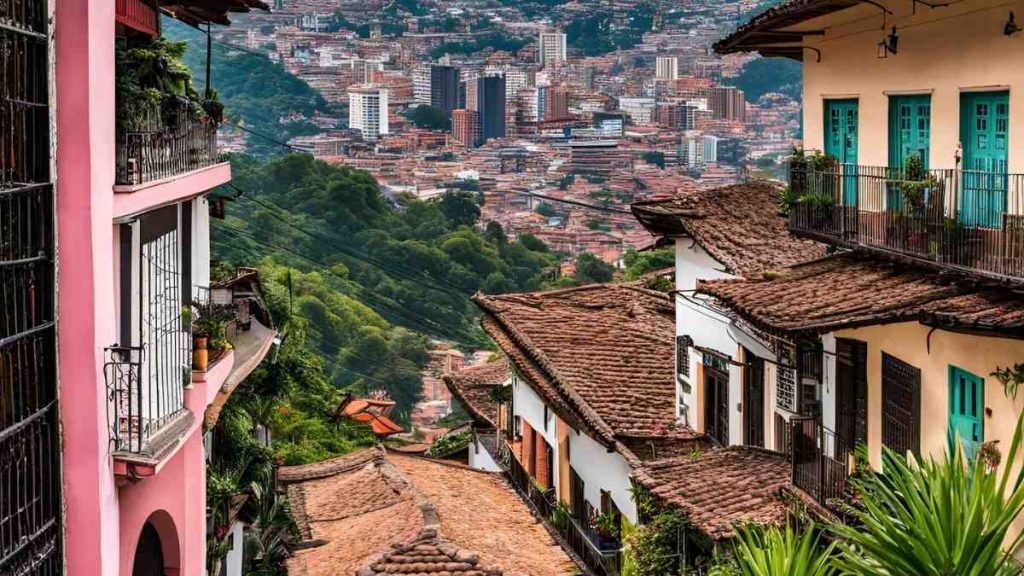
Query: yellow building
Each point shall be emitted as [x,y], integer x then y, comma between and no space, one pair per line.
[914,112]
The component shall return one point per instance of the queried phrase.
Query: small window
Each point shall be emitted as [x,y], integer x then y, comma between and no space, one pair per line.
[546,412]
[683,344]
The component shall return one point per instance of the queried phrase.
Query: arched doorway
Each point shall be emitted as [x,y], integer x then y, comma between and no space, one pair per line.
[149,554]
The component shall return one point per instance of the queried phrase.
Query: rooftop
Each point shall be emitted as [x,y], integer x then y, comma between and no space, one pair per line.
[850,290]
[369,513]
[722,488]
[473,386]
[739,226]
[767,32]
[597,352]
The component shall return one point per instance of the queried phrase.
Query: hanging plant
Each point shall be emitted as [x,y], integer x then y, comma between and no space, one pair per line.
[1010,378]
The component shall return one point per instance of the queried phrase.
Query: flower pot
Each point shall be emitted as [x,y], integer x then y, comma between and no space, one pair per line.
[200,353]
[200,359]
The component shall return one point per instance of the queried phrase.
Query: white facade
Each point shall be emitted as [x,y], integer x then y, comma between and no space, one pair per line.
[234,559]
[551,49]
[368,110]
[421,85]
[667,68]
[480,458]
[640,110]
[710,149]
[602,470]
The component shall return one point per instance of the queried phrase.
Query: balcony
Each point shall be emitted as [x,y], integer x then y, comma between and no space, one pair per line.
[963,220]
[582,541]
[145,409]
[156,145]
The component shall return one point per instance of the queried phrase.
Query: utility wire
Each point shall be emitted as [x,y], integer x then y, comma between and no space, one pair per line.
[425,324]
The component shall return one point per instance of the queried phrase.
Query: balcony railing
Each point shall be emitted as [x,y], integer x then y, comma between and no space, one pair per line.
[967,220]
[822,460]
[139,404]
[582,541]
[160,144]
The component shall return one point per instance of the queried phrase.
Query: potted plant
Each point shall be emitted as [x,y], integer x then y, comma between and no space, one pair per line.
[606,525]
[209,331]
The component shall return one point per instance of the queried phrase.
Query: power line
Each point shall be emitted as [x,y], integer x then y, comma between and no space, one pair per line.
[425,324]
[265,137]
[572,202]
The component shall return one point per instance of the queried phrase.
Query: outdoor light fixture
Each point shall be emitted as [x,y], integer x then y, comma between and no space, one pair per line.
[1011,27]
[889,44]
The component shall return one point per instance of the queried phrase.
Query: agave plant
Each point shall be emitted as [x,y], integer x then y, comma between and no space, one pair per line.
[940,517]
[771,551]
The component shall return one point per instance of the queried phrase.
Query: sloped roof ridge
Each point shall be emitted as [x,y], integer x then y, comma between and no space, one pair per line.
[533,354]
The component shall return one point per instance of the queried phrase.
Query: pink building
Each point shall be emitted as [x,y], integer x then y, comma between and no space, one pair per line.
[102,463]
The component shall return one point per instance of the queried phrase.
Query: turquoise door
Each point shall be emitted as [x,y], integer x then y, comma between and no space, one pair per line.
[910,120]
[966,404]
[841,143]
[984,134]
[909,135]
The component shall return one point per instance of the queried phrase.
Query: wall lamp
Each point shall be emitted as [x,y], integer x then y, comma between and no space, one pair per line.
[1011,26]
[889,44]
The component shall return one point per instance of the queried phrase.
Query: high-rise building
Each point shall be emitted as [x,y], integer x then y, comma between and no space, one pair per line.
[555,101]
[466,127]
[368,110]
[727,103]
[444,88]
[490,103]
[667,68]
[421,85]
[640,110]
[551,48]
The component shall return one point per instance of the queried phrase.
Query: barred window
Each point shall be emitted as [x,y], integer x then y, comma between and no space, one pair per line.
[683,344]
[785,388]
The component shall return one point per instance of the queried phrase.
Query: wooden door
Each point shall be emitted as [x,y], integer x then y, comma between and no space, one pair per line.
[901,405]
[852,391]
[753,400]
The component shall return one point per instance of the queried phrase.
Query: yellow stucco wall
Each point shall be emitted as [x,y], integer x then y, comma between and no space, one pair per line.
[976,354]
[942,51]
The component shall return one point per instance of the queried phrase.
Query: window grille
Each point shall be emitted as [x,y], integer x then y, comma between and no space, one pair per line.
[30,504]
[683,344]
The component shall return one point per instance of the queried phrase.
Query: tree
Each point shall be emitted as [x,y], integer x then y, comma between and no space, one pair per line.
[763,75]
[546,210]
[640,263]
[655,157]
[460,208]
[592,270]
[429,118]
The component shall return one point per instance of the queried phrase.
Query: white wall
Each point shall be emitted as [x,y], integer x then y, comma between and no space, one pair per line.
[708,330]
[529,407]
[601,470]
[200,243]
[480,458]
[233,561]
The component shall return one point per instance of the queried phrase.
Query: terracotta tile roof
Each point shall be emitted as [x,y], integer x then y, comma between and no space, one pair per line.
[850,290]
[370,411]
[371,514]
[473,386]
[425,556]
[739,226]
[601,353]
[723,487]
[194,12]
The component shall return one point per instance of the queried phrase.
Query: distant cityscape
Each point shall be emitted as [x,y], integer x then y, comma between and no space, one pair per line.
[496,99]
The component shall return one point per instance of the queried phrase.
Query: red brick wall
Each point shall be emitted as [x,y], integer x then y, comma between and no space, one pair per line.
[527,447]
[543,475]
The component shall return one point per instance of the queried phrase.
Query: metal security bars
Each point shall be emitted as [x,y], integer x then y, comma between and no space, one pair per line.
[164,143]
[966,220]
[30,478]
[822,460]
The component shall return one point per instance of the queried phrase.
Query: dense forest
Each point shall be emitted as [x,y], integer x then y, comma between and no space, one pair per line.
[763,75]
[601,31]
[255,91]
[366,274]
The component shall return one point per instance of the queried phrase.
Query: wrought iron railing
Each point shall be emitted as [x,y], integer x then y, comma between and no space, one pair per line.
[30,445]
[582,541]
[138,406]
[967,220]
[822,460]
[162,143]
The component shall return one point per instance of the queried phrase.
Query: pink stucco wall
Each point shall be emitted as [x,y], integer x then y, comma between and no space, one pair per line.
[102,520]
